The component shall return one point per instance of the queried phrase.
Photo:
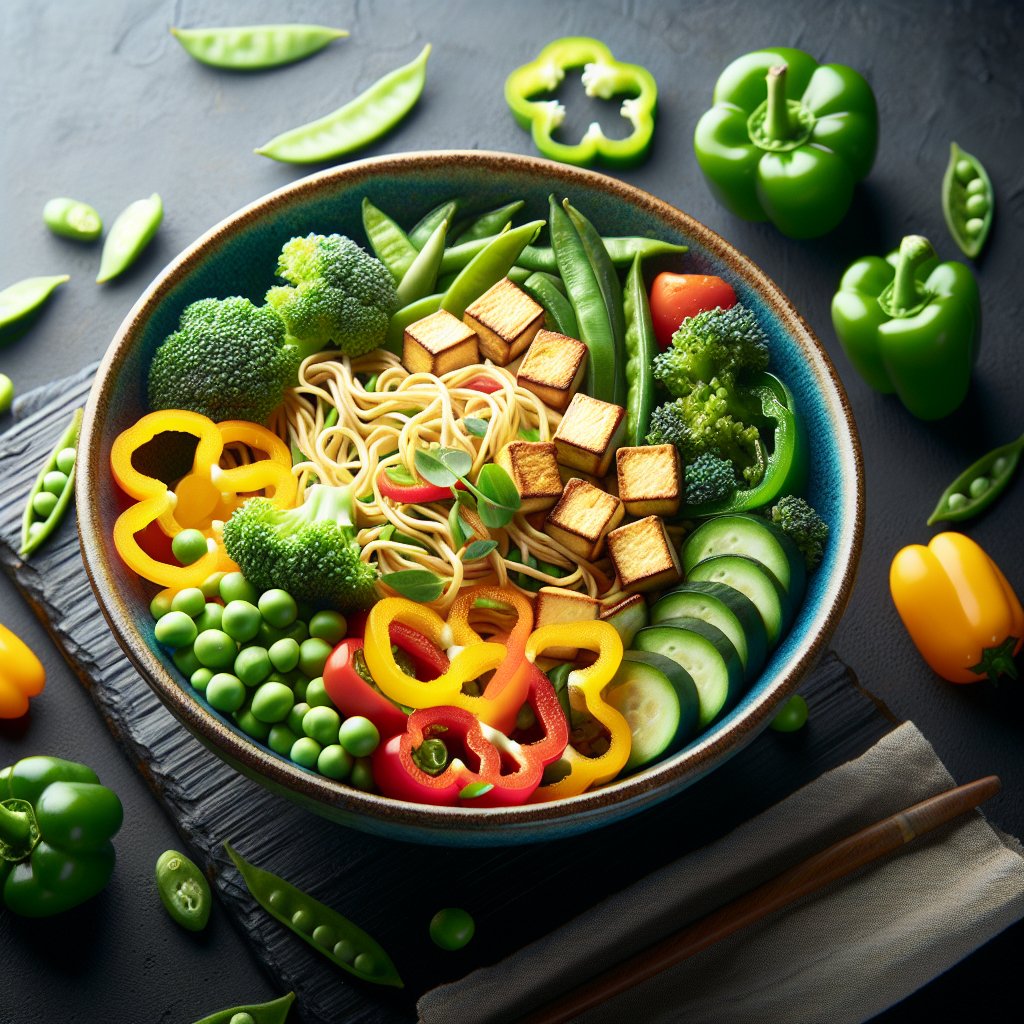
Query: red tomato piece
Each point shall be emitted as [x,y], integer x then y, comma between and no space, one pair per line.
[674,297]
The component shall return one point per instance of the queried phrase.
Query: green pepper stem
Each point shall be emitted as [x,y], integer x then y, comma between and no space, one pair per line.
[998,661]
[915,250]
[431,756]
[778,123]
[15,827]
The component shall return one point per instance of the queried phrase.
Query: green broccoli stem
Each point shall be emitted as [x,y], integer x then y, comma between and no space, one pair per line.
[324,501]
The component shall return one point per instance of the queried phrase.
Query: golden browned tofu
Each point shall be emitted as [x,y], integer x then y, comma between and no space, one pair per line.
[589,433]
[438,344]
[534,471]
[553,368]
[643,556]
[506,320]
[650,479]
[583,518]
[558,606]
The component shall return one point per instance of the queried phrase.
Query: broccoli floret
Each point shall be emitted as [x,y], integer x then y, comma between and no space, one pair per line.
[718,343]
[310,551]
[705,422]
[708,478]
[228,360]
[802,524]
[342,296]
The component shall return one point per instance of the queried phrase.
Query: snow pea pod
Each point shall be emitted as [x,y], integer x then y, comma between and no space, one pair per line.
[409,315]
[979,485]
[558,314]
[274,1012]
[20,300]
[621,250]
[184,890]
[135,226]
[421,277]
[255,47]
[324,929]
[457,256]
[359,122]
[53,490]
[968,200]
[389,242]
[71,218]
[490,223]
[429,221]
[641,348]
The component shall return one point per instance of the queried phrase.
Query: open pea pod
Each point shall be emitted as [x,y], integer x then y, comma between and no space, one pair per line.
[274,1012]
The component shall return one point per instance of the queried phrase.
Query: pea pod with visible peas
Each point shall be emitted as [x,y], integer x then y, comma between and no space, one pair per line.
[968,200]
[20,300]
[641,348]
[324,929]
[274,1012]
[389,242]
[359,122]
[490,223]
[255,47]
[130,233]
[558,314]
[979,485]
[71,218]
[52,492]
[184,890]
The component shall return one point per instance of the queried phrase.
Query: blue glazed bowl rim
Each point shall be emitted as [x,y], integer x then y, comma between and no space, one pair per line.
[484,825]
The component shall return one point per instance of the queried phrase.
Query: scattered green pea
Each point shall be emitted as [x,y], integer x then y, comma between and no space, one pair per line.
[284,654]
[55,482]
[334,761]
[272,702]
[200,679]
[297,631]
[793,715]
[176,629]
[235,587]
[359,736]
[361,776]
[305,751]
[280,739]
[186,661]
[6,393]
[321,724]
[211,617]
[295,717]
[215,649]
[189,546]
[225,692]
[278,607]
[161,604]
[300,688]
[241,620]
[316,694]
[71,218]
[452,928]
[328,626]
[269,635]
[190,601]
[251,725]
[211,585]
[252,665]
[130,233]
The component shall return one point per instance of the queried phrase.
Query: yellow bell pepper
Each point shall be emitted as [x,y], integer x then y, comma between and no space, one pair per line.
[959,609]
[21,675]
[586,687]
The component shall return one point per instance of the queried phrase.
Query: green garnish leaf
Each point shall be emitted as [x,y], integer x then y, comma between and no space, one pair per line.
[455,526]
[386,533]
[477,427]
[497,497]
[455,459]
[416,584]
[479,549]
[401,476]
[475,789]
[529,433]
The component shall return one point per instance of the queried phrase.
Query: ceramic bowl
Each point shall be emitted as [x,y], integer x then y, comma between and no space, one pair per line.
[238,256]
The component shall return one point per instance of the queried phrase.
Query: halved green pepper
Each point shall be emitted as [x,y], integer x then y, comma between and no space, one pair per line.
[785,461]
[911,325]
[56,823]
[787,139]
[604,77]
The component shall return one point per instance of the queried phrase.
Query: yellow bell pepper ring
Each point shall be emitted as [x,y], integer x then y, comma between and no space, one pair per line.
[958,608]
[21,675]
[586,687]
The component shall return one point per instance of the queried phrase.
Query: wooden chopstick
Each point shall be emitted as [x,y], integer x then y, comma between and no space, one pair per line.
[838,860]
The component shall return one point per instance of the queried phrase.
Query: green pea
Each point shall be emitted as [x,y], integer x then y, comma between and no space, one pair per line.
[252,665]
[321,723]
[300,688]
[365,963]
[251,725]
[976,187]
[6,393]
[284,654]
[979,485]
[295,717]
[235,587]
[1000,466]
[362,774]
[190,601]
[161,604]
[184,890]
[278,607]
[359,736]
[956,500]
[186,661]
[305,751]
[974,226]
[211,585]
[225,692]
[313,655]
[55,481]
[269,635]
[316,694]
[964,171]
[303,921]
[792,716]
[280,739]
[324,935]
[278,900]
[215,649]
[297,631]
[976,206]
[272,702]
[241,620]
[71,218]
[65,460]
[328,626]
[189,546]
[44,503]
[176,629]
[242,1017]
[345,951]
[211,617]
[452,928]
[334,761]
[200,679]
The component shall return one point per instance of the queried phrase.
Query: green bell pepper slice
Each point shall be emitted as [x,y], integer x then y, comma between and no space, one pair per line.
[787,139]
[785,461]
[603,77]
[56,823]
[911,325]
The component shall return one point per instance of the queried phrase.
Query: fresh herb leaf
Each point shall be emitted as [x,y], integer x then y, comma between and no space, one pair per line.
[458,461]
[477,427]
[479,549]
[455,527]
[416,584]
[529,433]
[433,470]
[475,789]
[386,533]
[496,485]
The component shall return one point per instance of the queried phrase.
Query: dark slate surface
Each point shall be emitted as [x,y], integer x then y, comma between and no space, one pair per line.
[100,103]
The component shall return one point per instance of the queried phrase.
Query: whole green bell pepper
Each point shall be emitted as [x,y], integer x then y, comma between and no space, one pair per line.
[911,325]
[56,823]
[790,152]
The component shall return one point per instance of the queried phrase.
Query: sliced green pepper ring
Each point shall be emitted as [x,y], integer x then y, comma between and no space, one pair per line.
[603,77]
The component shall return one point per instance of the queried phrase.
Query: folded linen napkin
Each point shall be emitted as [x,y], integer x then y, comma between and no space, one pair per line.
[843,954]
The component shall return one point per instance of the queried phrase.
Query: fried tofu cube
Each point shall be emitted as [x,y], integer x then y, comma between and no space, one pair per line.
[583,518]
[553,368]
[589,434]
[643,555]
[650,479]
[506,320]
[534,471]
[438,344]
[557,606]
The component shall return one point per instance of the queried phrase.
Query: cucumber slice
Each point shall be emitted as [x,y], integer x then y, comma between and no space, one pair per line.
[628,616]
[755,538]
[705,652]
[659,700]
[732,612]
[752,579]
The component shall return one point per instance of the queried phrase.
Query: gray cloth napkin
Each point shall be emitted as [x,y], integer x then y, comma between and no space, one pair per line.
[844,954]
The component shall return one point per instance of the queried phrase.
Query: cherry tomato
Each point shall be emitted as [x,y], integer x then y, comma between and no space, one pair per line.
[674,297]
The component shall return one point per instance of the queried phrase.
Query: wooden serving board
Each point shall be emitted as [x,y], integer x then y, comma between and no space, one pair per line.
[389,888]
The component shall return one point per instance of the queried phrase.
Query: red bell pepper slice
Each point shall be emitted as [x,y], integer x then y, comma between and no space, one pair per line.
[418,492]
[485,385]
[551,722]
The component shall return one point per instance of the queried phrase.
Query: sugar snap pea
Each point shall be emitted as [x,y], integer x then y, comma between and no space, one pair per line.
[130,233]
[52,491]
[6,393]
[20,300]
[490,223]
[184,890]
[421,277]
[389,242]
[979,484]
[324,929]
[359,122]
[427,224]
[558,314]
[274,1012]
[621,250]
[968,200]
[409,315]
[255,47]
[457,256]
[641,348]
[71,218]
